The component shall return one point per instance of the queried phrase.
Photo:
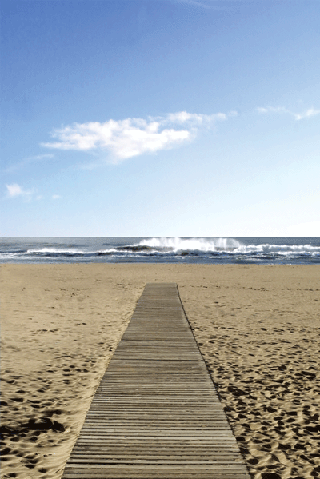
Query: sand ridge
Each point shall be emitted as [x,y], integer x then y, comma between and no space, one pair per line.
[257,327]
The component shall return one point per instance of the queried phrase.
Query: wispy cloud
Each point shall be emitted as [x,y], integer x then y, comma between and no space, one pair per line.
[133,136]
[194,119]
[27,161]
[307,114]
[15,190]
[195,3]
[212,4]
[272,109]
[281,109]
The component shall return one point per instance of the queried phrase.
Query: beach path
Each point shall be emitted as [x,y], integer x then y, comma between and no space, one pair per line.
[156,413]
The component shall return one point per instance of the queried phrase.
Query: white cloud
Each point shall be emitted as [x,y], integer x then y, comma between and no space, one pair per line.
[203,3]
[272,109]
[133,136]
[44,156]
[56,197]
[281,109]
[192,118]
[307,114]
[15,190]
[195,3]
[125,138]
[195,120]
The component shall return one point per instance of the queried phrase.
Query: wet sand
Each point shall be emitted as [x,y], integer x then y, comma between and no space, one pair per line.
[258,328]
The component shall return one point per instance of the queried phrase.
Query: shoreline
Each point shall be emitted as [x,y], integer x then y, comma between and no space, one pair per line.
[257,328]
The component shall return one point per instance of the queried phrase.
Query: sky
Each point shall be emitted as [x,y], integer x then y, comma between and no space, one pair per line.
[160,118]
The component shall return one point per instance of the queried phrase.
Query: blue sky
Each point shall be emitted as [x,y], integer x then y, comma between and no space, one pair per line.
[160,118]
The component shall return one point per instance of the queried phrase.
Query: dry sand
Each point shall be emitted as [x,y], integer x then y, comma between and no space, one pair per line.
[258,328]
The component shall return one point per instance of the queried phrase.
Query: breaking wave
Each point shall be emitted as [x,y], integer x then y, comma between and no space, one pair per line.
[166,249]
[190,244]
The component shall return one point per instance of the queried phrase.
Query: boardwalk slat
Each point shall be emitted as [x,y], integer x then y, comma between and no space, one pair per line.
[156,413]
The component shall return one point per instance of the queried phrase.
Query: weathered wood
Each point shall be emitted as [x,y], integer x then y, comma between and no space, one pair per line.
[156,413]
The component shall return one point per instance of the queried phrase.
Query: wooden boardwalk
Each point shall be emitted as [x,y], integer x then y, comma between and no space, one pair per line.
[156,413]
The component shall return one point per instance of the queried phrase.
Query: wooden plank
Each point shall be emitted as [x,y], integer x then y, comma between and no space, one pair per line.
[156,413]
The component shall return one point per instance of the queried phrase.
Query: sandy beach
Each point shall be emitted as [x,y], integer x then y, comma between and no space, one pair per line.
[257,327]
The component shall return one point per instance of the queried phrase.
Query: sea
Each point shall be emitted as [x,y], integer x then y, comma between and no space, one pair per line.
[180,250]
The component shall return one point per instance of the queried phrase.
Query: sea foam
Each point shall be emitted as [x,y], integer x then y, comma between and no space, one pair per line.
[177,244]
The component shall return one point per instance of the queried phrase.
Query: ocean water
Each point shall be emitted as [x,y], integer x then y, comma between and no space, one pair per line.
[161,250]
